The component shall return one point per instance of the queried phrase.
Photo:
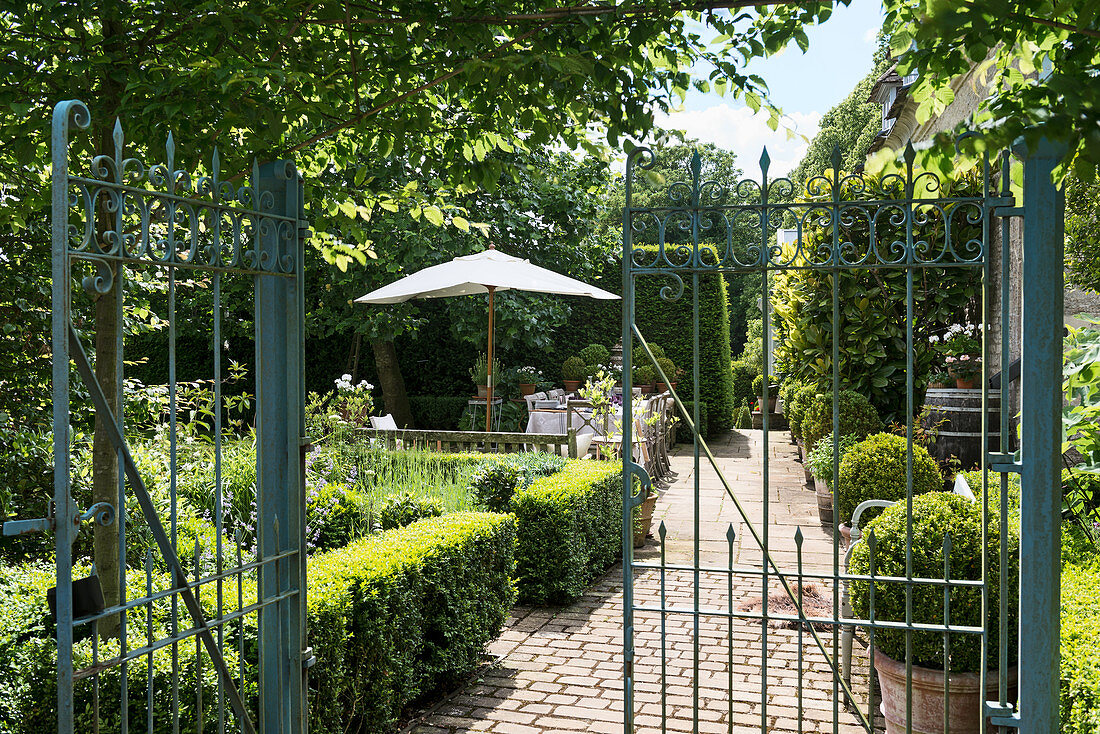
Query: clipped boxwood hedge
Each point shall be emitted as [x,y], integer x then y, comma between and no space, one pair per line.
[568,530]
[935,515]
[874,469]
[397,616]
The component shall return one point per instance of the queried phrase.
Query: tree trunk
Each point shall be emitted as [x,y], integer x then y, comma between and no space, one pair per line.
[391,382]
[105,474]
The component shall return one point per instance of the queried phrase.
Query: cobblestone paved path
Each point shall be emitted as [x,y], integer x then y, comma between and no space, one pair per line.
[560,669]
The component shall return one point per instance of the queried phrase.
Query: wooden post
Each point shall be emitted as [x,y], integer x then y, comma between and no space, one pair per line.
[489,394]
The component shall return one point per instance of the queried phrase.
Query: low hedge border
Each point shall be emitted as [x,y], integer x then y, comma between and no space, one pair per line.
[568,529]
[396,616]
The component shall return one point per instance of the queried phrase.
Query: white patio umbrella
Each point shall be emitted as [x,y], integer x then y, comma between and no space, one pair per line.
[484,272]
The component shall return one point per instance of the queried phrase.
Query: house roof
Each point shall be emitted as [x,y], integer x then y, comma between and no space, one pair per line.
[888,79]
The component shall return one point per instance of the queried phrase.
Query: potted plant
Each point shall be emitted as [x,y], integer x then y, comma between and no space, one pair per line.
[643,517]
[644,377]
[573,372]
[796,411]
[479,373]
[820,462]
[940,380]
[857,416]
[874,469]
[671,371]
[528,377]
[594,356]
[758,391]
[937,517]
[965,370]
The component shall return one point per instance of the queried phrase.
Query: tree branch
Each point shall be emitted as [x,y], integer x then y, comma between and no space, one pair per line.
[576,11]
[415,90]
[1057,24]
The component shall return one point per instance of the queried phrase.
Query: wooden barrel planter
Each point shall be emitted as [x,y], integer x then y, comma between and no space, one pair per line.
[961,433]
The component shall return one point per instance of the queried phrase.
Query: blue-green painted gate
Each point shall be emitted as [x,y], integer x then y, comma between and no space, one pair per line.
[235,613]
[891,210]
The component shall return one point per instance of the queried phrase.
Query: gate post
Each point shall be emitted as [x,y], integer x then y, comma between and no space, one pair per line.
[280,495]
[1040,443]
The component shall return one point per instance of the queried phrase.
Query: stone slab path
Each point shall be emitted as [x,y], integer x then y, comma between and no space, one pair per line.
[561,669]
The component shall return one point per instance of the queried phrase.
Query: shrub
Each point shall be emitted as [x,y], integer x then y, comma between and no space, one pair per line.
[595,355]
[336,514]
[743,376]
[440,413]
[574,369]
[704,430]
[801,395]
[645,375]
[1080,647]
[639,357]
[857,416]
[742,417]
[493,486]
[758,386]
[935,515]
[672,372]
[568,531]
[874,469]
[28,651]
[820,457]
[397,616]
[405,508]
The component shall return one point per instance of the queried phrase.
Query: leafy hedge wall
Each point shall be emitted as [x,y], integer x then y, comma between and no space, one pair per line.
[397,616]
[436,412]
[1080,634]
[568,531]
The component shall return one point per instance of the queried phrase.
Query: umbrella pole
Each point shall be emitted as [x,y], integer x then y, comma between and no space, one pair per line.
[489,395]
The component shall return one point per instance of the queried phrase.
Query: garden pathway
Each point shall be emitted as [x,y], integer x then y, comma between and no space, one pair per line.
[560,669]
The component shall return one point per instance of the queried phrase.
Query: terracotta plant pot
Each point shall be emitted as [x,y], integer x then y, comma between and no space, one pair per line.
[572,385]
[964,706]
[968,383]
[526,388]
[483,391]
[938,386]
[644,520]
[824,502]
[770,402]
[661,387]
[845,535]
[646,389]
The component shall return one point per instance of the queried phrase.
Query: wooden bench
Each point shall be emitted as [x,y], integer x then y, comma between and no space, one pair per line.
[495,442]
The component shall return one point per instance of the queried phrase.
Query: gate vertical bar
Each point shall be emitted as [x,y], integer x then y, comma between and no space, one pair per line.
[69,112]
[628,458]
[280,497]
[1040,442]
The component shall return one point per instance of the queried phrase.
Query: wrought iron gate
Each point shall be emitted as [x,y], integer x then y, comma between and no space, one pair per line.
[215,607]
[687,612]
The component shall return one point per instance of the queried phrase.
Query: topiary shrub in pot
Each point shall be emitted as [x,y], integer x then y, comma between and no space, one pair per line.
[594,356]
[820,463]
[936,515]
[672,372]
[857,416]
[874,469]
[801,395]
[573,372]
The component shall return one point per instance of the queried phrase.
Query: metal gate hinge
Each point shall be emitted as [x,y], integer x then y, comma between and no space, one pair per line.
[308,658]
[1002,714]
[1004,463]
[26,527]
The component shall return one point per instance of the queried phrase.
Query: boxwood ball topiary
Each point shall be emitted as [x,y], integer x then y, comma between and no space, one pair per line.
[857,416]
[574,369]
[874,469]
[936,515]
[595,354]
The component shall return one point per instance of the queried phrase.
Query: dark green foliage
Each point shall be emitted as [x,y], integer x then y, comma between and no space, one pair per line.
[595,355]
[398,616]
[683,431]
[574,368]
[742,417]
[568,530]
[874,469]
[641,358]
[399,510]
[857,417]
[801,393]
[336,514]
[26,487]
[1081,494]
[437,412]
[743,376]
[820,457]
[935,515]
[1083,231]
[493,486]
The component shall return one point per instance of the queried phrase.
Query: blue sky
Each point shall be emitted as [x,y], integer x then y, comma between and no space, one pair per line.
[805,86]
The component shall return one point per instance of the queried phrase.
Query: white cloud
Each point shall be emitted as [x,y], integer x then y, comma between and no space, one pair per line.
[870,34]
[746,134]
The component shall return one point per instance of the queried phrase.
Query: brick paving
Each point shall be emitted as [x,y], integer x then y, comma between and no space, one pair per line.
[561,669]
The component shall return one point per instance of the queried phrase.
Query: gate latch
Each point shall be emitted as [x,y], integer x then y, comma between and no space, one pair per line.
[26,527]
[1002,714]
[1004,463]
